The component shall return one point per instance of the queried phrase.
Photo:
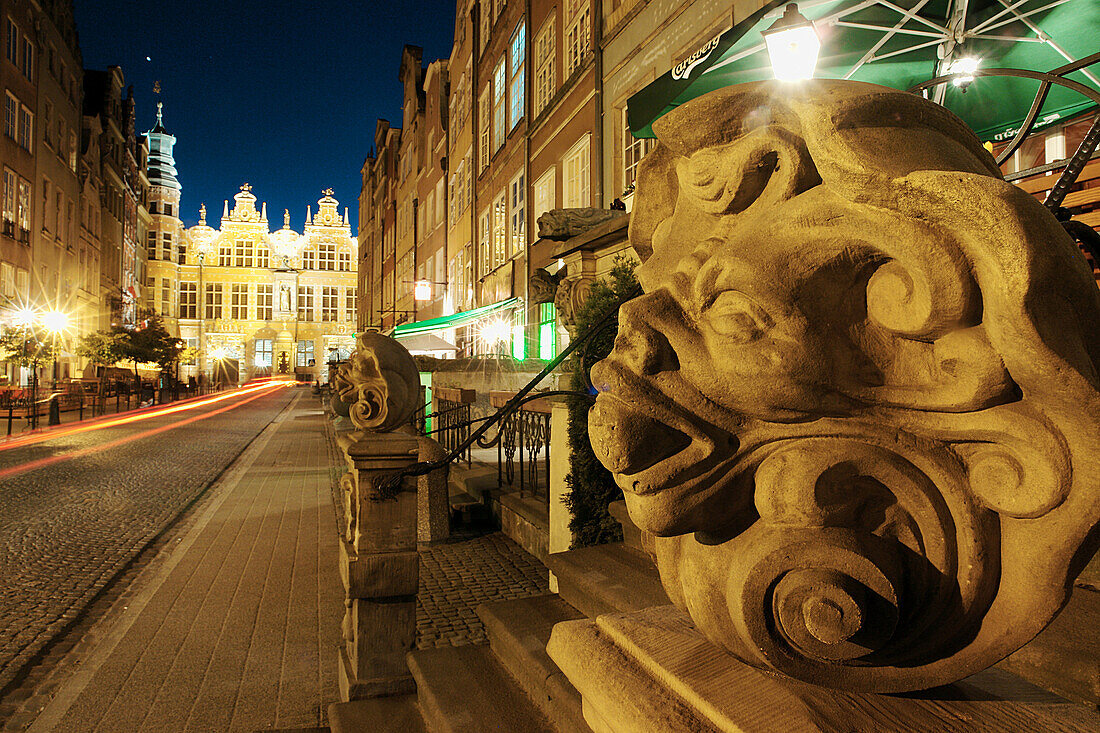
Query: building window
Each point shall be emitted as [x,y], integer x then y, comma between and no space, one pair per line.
[166,246]
[242,249]
[517,56]
[25,136]
[262,256]
[13,42]
[10,188]
[238,304]
[305,354]
[189,300]
[27,56]
[500,230]
[545,52]
[151,245]
[575,190]
[548,332]
[263,352]
[11,116]
[484,115]
[225,254]
[305,303]
[517,213]
[634,149]
[213,301]
[484,235]
[500,85]
[166,297]
[349,305]
[308,259]
[483,24]
[264,302]
[326,256]
[181,252]
[345,261]
[168,210]
[544,194]
[578,34]
[7,281]
[23,209]
[330,303]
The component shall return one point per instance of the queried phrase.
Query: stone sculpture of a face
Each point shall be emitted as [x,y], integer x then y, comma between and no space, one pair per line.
[379,384]
[858,403]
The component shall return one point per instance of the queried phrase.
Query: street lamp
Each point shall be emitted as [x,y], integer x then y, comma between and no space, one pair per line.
[793,46]
[203,237]
[964,69]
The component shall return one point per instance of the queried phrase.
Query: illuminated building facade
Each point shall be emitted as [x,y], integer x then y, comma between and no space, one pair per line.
[250,301]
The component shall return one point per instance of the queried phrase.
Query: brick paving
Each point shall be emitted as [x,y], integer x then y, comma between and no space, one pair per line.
[68,529]
[458,576]
[240,623]
[240,630]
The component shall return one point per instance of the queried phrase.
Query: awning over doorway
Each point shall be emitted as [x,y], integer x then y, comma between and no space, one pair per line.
[455,320]
[421,342]
[896,43]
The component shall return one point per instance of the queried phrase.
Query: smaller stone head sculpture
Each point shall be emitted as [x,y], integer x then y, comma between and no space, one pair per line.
[858,403]
[379,383]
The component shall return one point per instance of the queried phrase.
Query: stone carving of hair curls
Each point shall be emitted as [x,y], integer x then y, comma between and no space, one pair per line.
[864,374]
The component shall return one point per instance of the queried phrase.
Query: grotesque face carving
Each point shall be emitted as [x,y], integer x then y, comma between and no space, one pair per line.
[859,389]
[379,384]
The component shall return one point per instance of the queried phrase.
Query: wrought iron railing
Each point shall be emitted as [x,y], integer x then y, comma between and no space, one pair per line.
[451,418]
[526,434]
[499,418]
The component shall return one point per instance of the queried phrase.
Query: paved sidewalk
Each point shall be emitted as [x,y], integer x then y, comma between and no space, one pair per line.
[240,626]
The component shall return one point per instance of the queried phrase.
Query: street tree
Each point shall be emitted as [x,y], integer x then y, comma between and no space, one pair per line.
[28,346]
[103,349]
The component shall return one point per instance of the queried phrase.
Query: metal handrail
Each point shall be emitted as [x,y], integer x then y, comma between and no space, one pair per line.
[389,488]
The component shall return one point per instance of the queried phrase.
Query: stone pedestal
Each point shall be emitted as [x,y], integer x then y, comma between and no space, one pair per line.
[433,503]
[379,567]
[651,670]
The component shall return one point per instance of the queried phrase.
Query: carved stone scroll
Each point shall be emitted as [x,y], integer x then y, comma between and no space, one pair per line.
[858,403]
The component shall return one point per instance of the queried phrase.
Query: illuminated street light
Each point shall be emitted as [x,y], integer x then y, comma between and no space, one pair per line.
[964,68]
[218,353]
[422,290]
[793,46]
[55,321]
[494,332]
[24,317]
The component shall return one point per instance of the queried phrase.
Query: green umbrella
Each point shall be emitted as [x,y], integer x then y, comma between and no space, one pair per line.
[901,43]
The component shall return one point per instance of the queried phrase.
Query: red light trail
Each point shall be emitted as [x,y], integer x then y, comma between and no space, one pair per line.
[259,390]
[143,414]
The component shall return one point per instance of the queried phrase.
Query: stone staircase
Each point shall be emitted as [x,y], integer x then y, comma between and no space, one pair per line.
[511,684]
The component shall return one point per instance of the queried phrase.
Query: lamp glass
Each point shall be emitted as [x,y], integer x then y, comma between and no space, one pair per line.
[793,52]
[55,321]
[422,290]
[965,68]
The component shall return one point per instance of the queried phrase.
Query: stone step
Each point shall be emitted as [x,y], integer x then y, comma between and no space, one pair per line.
[465,690]
[398,714]
[526,521]
[518,632]
[607,579]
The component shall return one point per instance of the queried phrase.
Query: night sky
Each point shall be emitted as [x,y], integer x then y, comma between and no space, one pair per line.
[283,95]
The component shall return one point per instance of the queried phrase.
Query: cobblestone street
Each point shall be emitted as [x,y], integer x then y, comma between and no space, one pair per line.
[458,576]
[68,528]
